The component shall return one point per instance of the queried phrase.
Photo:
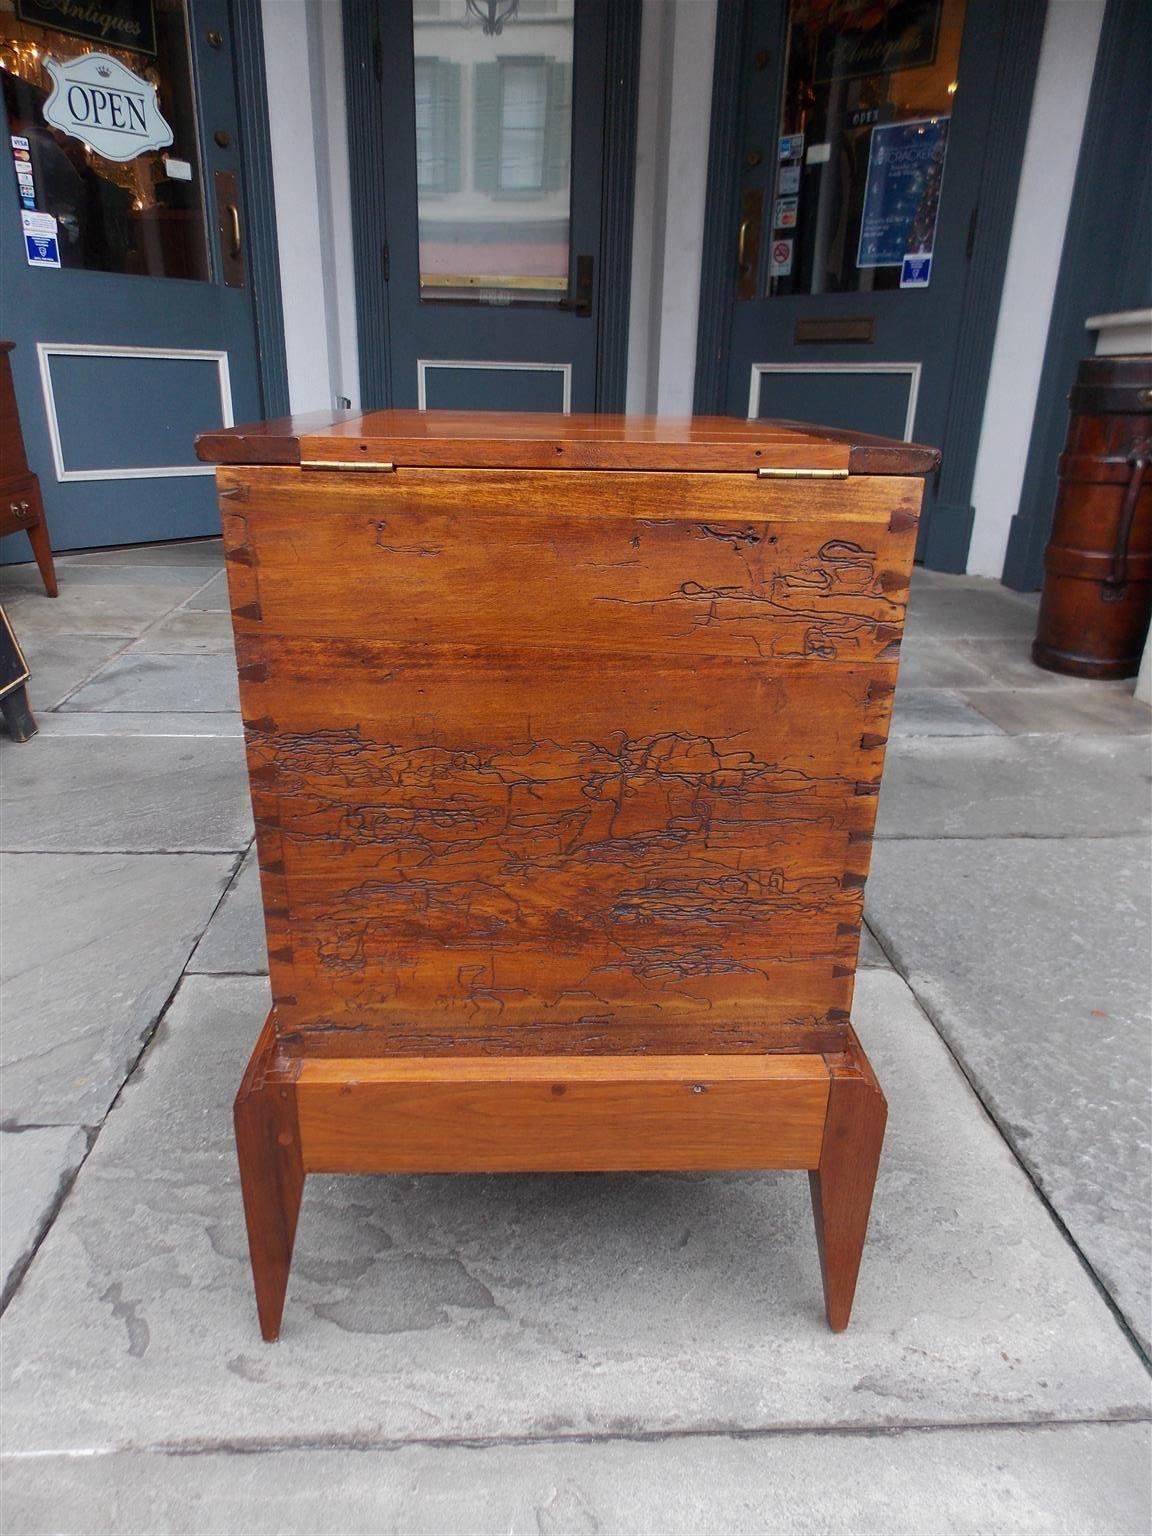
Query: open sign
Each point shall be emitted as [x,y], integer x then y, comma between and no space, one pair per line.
[99,101]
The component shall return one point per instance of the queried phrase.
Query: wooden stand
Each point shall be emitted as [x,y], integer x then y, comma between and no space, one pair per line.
[21,506]
[553,1114]
[565,737]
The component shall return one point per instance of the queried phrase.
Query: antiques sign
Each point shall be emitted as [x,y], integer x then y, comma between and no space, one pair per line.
[115,23]
[99,101]
[896,36]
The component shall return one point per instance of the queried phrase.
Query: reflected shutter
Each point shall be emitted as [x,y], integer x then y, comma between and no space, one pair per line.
[449,83]
[558,127]
[486,127]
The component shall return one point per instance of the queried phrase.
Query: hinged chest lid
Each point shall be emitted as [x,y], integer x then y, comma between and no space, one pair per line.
[520,440]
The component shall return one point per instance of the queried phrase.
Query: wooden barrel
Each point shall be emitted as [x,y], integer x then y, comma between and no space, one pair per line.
[1098,565]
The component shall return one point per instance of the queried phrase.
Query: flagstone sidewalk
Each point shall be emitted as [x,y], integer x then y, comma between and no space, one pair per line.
[573,1354]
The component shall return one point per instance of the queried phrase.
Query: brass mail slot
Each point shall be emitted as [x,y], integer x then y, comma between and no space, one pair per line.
[833,329]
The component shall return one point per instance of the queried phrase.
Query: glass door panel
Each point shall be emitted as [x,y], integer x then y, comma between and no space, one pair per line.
[493,109]
[139,216]
[863,136]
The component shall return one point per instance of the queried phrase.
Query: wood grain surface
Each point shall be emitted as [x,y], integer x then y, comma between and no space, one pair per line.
[527,440]
[564,762]
[563,1113]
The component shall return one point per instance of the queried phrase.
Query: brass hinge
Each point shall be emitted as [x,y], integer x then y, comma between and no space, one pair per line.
[802,474]
[342,464]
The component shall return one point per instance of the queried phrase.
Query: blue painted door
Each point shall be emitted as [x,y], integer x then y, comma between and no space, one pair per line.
[491,180]
[122,265]
[864,135]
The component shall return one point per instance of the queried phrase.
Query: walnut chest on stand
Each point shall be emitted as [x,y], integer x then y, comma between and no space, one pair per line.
[565,736]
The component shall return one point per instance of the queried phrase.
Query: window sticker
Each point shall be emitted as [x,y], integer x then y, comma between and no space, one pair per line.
[40,245]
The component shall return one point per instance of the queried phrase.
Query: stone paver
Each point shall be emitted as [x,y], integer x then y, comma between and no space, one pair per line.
[426,1311]
[180,552]
[967,607]
[214,596]
[144,795]
[64,722]
[1095,709]
[91,948]
[161,685]
[59,663]
[35,1167]
[97,608]
[506,1306]
[870,952]
[1046,1003]
[994,786]
[937,712]
[1071,1480]
[235,941]
[187,631]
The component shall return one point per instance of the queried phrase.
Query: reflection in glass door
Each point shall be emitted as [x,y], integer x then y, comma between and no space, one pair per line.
[493,140]
[493,188]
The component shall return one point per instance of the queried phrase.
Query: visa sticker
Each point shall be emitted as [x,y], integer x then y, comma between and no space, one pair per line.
[791,146]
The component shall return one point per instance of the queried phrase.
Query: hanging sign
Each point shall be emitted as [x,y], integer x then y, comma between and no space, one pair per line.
[902,199]
[869,39]
[115,23]
[102,103]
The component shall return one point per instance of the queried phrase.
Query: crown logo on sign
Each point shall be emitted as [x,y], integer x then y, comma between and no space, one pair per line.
[103,71]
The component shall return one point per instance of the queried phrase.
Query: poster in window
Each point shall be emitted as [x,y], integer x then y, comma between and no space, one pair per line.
[902,196]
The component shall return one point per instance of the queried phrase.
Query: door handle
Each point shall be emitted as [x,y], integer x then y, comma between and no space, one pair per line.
[581,303]
[228,229]
[742,244]
[748,242]
[232,214]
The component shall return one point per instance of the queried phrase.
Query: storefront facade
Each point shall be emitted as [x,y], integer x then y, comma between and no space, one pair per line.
[865,214]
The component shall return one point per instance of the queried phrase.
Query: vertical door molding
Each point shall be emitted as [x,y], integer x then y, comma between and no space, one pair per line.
[1020,24]
[621,99]
[260,205]
[950,515]
[721,220]
[366,130]
[1104,266]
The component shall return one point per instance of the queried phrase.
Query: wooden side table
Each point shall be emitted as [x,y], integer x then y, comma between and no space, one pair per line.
[564,736]
[21,508]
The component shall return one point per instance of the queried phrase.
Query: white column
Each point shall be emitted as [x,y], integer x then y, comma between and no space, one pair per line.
[308,127]
[677,44]
[1059,107]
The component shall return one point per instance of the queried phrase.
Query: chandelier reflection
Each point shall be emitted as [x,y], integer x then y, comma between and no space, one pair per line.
[492,14]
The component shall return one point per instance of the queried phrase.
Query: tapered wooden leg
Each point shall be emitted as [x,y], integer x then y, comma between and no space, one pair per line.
[843,1183]
[271,1175]
[42,550]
